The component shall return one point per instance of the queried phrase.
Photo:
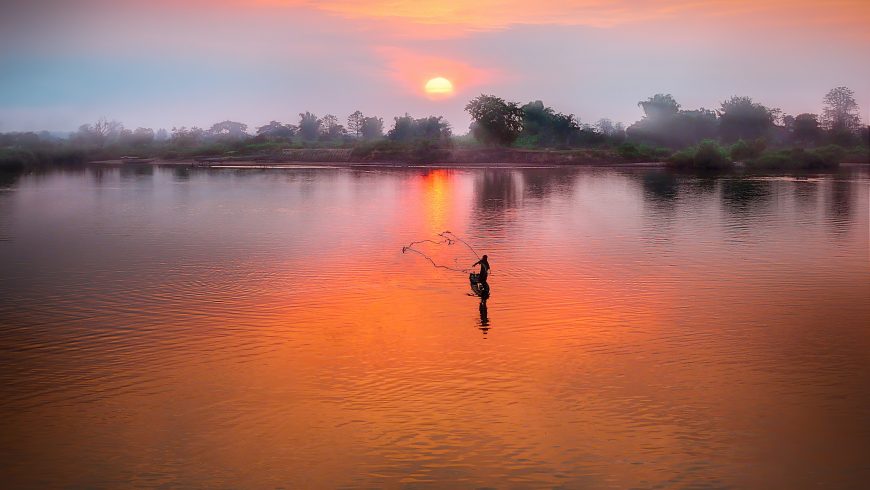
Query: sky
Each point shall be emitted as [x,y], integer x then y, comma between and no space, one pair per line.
[163,63]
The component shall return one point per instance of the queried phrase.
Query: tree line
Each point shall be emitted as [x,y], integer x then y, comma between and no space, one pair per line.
[666,123]
[665,127]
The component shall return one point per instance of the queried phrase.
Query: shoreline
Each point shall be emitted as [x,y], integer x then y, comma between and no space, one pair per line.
[263,165]
[260,164]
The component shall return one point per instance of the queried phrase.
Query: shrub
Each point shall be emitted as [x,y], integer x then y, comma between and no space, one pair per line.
[707,155]
[642,153]
[744,151]
[798,158]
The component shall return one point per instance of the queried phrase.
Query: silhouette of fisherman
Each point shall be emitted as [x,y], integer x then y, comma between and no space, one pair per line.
[480,279]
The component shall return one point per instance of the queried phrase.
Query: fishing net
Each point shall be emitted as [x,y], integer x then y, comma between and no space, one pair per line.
[447,251]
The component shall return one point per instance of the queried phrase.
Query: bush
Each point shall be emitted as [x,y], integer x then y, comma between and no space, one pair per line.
[425,151]
[641,153]
[378,149]
[744,151]
[707,155]
[798,158]
[16,159]
[527,141]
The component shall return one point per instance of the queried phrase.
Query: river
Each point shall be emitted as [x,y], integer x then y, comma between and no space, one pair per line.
[262,328]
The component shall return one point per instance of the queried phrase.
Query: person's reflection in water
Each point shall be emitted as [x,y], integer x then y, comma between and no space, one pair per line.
[484,319]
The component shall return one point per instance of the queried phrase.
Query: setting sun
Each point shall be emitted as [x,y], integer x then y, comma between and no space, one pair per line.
[439,86]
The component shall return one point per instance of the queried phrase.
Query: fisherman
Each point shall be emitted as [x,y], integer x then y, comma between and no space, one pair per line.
[484,271]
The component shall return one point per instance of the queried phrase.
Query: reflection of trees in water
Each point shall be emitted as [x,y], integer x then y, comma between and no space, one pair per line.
[132,170]
[495,193]
[806,193]
[496,190]
[839,205]
[181,173]
[660,187]
[664,188]
[8,178]
[741,195]
[539,183]
[98,174]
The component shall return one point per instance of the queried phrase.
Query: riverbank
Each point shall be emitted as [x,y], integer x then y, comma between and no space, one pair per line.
[404,157]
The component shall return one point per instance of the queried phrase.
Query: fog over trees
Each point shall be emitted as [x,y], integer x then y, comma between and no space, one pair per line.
[745,126]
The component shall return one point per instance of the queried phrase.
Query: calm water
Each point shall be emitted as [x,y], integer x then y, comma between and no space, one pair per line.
[262,328]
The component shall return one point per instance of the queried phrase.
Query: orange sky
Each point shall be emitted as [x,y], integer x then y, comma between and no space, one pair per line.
[163,64]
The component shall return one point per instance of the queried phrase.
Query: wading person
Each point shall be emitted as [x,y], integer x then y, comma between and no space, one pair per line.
[484,273]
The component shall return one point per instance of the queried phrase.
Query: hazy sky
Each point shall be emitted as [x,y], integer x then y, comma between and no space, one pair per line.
[159,63]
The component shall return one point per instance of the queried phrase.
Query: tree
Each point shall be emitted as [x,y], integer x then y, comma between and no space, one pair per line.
[403,128]
[276,131]
[407,129]
[229,130]
[659,106]
[693,126]
[495,121]
[162,135]
[840,111]
[330,129]
[544,126]
[309,126]
[805,128]
[372,128]
[605,126]
[742,118]
[355,123]
[665,124]
[184,137]
[100,133]
[609,129]
[139,138]
[564,127]
[432,128]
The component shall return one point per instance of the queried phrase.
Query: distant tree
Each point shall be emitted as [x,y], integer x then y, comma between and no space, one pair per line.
[665,124]
[372,128]
[276,131]
[139,137]
[229,130]
[565,127]
[407,129]
[659,106]
[805,128]
[840,111]
[20,140]
[403,128]
[605,126]
[432,128]
[355,123]
[743,118]
[309,126]
[788,123]
[495,121]
[543,126]
[102,132]
[125,136]
[161,135]
[183,137]
[330,129]
[693,126]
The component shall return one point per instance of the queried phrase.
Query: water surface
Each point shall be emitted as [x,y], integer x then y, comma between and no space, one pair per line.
[242,328]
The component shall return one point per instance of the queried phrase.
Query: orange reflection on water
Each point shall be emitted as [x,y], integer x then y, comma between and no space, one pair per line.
[634,341]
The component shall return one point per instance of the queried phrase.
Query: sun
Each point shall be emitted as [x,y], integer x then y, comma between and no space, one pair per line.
[439,86]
